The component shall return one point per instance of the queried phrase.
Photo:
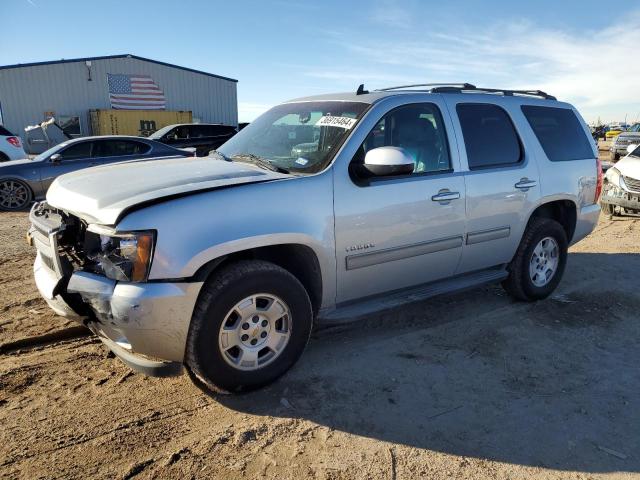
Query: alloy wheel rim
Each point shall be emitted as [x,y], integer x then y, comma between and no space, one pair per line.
[13,195]
[255,332]
[544,261]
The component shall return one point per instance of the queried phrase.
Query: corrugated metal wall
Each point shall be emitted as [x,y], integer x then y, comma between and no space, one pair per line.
[26,93]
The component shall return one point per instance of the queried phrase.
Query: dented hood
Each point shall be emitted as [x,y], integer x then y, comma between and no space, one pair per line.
[102,194]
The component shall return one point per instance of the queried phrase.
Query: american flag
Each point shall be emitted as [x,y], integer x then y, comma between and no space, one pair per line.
[134,92]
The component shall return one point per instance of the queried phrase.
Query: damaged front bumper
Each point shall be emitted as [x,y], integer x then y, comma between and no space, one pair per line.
[144,324]
[622,198]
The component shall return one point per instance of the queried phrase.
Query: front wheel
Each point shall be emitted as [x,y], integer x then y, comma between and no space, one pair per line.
[251,323]
[537,267]
[608,209]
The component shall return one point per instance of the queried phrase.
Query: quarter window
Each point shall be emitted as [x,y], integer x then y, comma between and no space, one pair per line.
[559,132]
[419,130]
[489,136]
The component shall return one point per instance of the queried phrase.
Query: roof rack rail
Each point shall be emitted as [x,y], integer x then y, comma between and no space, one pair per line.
[465,86]
[468,87]
[504,91]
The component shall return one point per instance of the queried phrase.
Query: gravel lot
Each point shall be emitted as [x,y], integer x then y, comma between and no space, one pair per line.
[466,386]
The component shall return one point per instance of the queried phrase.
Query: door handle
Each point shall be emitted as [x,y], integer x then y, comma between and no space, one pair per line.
[525,184]
[445,196]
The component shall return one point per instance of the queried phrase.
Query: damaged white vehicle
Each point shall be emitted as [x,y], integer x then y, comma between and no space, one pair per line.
[621,189]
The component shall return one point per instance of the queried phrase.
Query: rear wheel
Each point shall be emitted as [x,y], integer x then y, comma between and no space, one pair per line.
[537,268]
[613,156]
[4,157]
[14,195]
[251,324]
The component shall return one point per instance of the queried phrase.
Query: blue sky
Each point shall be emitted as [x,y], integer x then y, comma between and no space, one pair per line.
[584,52]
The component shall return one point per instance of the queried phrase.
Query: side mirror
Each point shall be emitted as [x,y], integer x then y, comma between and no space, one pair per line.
[631,148]
[56,158]
[386,161]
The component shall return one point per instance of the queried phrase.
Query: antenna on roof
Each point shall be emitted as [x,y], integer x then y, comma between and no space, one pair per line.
[361,90]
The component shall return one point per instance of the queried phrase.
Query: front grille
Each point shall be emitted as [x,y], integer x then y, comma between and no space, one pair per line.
[45,226]
[632,183]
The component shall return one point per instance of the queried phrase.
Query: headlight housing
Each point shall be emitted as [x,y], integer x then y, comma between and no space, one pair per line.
[125,256]
[615,178]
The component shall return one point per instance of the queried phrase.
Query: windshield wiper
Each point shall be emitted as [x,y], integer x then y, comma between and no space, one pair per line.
[258,161]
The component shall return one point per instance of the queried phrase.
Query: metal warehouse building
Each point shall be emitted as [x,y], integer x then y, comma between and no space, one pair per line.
[69,90]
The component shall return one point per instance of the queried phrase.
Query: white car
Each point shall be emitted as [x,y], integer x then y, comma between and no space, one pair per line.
[10,146]
[621,189]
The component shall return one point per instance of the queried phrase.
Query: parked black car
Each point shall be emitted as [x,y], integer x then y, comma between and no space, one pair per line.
[204,137]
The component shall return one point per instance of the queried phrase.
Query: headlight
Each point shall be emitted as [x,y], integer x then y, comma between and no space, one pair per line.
[125,257]
[615,178]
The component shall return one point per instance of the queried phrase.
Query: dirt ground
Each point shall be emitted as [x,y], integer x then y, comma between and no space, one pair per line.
[469,386]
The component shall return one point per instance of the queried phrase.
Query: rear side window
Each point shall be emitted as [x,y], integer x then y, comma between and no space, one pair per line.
[116,148]
[559,132]
[489,136]
[211,130]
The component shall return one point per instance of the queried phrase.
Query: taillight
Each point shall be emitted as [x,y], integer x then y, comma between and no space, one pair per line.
[599,184]
[15,141]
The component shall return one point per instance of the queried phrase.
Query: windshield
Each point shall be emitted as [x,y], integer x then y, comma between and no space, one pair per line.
[636,152]
[160,133]
[47,153]
[298,137]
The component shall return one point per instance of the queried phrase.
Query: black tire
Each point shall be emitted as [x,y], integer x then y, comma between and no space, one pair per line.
[608,209]
[25,200]
[4,157]
[519,284]
[219,295]
[613,156]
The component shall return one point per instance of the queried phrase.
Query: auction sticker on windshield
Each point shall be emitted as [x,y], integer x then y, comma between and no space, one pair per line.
[330,121]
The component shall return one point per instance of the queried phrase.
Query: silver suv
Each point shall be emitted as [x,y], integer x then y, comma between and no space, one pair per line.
[325,208]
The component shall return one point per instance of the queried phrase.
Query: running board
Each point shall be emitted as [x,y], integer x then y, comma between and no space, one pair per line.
[353,311]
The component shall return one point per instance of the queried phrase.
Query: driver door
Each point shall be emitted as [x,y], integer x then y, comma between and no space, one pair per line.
[396,232]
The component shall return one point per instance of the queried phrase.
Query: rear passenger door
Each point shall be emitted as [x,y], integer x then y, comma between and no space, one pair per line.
[501,178]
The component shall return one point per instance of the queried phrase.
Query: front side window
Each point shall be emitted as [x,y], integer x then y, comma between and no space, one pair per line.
[559,132]
[77,151]
[417,129]
[299,137]
[489,136]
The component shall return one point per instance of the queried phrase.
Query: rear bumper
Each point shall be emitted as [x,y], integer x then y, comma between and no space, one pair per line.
[585,222]
[135,320]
